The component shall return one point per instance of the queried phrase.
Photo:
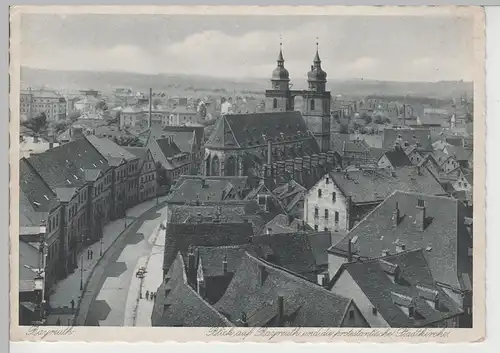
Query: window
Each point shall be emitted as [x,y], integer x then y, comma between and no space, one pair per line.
[312,104]
[374,311]
[334,196]
[327,180]
[316,227]
[275,103]
[319,193]
[326,214]
[351,314]
[316,212]
[326,229]
[336,217]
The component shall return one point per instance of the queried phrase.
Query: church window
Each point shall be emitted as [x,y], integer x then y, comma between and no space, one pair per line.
[312,104]
[275,103]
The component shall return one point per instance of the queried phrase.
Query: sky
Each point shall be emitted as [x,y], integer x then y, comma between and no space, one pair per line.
[403,48]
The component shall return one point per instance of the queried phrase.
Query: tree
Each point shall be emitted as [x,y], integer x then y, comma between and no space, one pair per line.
[128,140]
[101,105]
[37,124]
[73,116]
[60,126]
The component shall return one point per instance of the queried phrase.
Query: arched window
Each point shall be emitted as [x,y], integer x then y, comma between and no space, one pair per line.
[275,103]
[312,104]
[215,166]
[231,166]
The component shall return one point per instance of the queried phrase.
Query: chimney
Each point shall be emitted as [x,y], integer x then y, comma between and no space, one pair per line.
[400,247]
[191,267]
[349,251]
[201,287]
[420,215]
[280,311]
[51,145]
[269,152]
[203,183]
[385,252]
[150,105]
[269,230]
[396,216]
[224,265]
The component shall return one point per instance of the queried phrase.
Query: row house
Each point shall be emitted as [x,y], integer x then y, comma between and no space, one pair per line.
[147,185]
[340,199]
[167,154]
[81,179]
[125,174]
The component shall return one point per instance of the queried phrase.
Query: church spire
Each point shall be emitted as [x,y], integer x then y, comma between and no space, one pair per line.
[317,60]
[280,60]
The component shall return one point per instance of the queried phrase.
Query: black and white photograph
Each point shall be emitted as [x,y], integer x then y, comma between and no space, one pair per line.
[246,171]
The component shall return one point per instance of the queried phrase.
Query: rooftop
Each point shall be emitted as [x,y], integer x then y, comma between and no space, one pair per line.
[374,185]
[180,236]
[409,137]
[109,149]
[256,287]
[207,189]
[414,287]
[442,234]
[247,130]
[177,304]
[68,165]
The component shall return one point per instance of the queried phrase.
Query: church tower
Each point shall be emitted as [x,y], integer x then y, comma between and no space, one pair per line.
[317,102]
[278,98]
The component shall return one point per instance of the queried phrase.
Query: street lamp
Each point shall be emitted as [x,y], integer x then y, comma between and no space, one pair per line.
[81,265]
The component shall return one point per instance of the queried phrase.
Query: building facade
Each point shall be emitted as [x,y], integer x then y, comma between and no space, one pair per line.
[36,102]
[315,101]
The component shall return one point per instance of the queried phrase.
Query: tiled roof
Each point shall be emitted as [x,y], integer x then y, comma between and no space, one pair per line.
[177,304]
[180,236]
[67,165]
[109,149]
[422,136]
[279,224]
[376,185]
[192,188]
[139,152]
[211,257]
[149,135]
[247,130]
[184,140]
[343,142]
[289,194]
[415,283]
[398,158]
[377,153]
[132,110]
[460,153]
[165,151]
[36,199]
[259,300]
[444,237]
[300,252]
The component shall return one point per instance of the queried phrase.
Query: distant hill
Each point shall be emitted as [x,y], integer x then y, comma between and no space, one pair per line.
[175,84]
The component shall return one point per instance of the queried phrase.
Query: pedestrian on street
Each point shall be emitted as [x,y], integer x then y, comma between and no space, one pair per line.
[154,296]
[91,254]
[72,304]
[147,295]
[58,321]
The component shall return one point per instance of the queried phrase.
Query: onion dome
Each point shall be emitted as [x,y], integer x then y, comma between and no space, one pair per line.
[316,73]
[280,73]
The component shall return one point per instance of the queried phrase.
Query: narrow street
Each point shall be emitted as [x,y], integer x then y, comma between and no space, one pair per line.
[119,288]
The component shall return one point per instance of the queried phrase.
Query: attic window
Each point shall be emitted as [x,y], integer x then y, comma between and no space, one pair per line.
[429,248]
[46,198]
[354,239]
[94,165]
[75,176]
[37,204]
[69,182]
[81,169]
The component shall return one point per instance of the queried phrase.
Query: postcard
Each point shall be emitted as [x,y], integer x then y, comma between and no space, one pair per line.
[238,173]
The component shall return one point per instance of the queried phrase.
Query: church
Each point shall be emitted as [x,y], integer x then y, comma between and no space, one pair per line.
[244,144]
